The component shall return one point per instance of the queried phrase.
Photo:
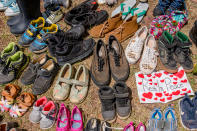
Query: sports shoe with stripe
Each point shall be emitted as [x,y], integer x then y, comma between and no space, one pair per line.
[12,10]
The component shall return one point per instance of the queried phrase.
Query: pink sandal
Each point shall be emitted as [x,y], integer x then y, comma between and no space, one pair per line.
[141,127]
[76,120]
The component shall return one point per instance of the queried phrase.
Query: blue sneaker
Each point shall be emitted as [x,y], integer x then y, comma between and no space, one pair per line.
[12,10]
[4,4]
[39,44]
[161,7]
[176,5]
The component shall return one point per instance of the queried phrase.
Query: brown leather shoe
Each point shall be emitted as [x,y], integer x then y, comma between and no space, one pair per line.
[111,24]
[100,72]
[125,30]
[118,63]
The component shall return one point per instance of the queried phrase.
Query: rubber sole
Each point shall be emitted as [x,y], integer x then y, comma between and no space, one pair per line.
[123,118]
[11,14]
[40,51]
[113,120]
[98,83]
[166,69]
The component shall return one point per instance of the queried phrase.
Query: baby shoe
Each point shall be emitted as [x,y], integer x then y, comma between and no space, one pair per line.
[129,127]
[76,122]
[141,127]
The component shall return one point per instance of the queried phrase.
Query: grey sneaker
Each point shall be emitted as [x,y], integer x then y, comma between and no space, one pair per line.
[170,119]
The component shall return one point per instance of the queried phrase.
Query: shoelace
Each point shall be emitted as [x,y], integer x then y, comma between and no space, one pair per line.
[116,57]
[100,64]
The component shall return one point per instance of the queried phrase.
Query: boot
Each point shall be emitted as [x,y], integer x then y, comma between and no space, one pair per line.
[107,98]
[193,33]
[65,3]
[30,10]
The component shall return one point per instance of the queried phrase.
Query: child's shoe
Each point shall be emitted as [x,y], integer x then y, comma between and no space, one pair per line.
[170,119]
[141,127]
[161,7]
[76,122]
[129,127]
[12,10]
[4,4]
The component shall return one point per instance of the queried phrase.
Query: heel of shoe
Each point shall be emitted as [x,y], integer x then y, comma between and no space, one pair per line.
[23,67]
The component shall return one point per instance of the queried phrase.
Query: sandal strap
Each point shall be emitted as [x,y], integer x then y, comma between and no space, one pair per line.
[67,81]
[80,83]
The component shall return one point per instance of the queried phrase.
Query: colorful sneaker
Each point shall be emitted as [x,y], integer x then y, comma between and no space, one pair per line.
[129,127]
[141,127]
[39,44]
[12,10]
[32,31]
[161,7]
[48,115]
[4,4]
[53,16]
[76,120]
[35,115]
[63,120]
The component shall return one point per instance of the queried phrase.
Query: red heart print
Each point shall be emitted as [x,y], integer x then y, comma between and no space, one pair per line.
[184,81]
[158,74]
[170,94]
[150,80]
[189,91]
[182,94]
[174,83]
[171,75]
[167,94]
[164,92]
[159,94]
[162,81]
[184,89]
[141,75]
[155,98]
[148,95]
[143,99]
[165,72]
[154,77]
[149,75]
[169,98]
[175,79]
[151,83]
[180,74]
[155,83]
[176,92]
[163,100]
[139,83]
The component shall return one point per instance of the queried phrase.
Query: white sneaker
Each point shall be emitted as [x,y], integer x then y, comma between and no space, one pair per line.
[100,2]
[148,62]
[135,46]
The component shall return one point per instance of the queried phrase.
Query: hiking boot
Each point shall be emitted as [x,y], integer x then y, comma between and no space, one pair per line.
[90,19]
[166,48]
[161,7]
[123,102]
[39,44]
[107,98]
[65,3]
[118,63]
[183,52]
[85,7]
[4,4]
[176,5]
[45,77]
[13,67]
[100,72]
[12,10]
[193,33]
[32,31]
[30,74]
[52,16]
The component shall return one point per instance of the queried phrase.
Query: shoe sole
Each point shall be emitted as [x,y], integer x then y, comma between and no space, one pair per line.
[11,14]
[123,118]
[98,83]
[166,69]
[113,120]
[26,83]
[40,51]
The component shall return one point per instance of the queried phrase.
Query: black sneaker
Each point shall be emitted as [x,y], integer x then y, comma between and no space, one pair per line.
[166,52]
[161,7]
[82,8]
[183,52]
[45,77]
[193,33]
[123,100]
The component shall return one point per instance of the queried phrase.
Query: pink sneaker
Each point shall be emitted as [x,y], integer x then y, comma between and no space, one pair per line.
[76,120]
[63,120]
[141,127]
[129,127]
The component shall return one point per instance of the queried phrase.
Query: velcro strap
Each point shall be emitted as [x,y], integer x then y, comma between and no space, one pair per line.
[122,95]
[106,97]
[80,83]
[67,81]
[44,73]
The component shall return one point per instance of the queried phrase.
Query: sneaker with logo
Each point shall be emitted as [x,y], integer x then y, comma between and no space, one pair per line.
[4,4]
[12,10]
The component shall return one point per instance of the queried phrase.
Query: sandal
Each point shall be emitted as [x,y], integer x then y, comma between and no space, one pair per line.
[8,95]
[24,102]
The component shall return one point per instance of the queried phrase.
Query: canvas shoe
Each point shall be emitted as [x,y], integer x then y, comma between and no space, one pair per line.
[53,16]
[4,4]
[135,46]
[76,121]
[12,10]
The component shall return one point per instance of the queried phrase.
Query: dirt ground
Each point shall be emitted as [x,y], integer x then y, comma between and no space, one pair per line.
[91,107]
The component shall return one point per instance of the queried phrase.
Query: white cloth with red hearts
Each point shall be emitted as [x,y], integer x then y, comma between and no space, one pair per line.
[162,87]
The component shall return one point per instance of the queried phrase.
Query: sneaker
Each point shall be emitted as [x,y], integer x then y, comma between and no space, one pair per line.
[76,122]
[39,44]
[166,48]
[129,127]
[183,52]
[4,4]
[35,115]
[170,119]
[48,115]
[161,7]
[12,10]
[176,5]
[135,46]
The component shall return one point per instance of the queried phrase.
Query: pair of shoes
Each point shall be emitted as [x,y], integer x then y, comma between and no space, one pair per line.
[167,6]
[96,125]
[171,23]
[79,82]
[193,33]
[12,63]
[44,112]
[36,35]
[130,127]
[141,42]
[65,122]
[107,62]
[10,7]
[187,108]
[122,30]
[173,50]
[8,126]
[162,122]
[17,106]
[116,99]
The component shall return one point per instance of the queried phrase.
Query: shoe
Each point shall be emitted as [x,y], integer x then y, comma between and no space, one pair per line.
[7,126]
[193,32]
[141,127]
[13,67]
[100,72]
[8,94]
[161,7]
[90,19]
[148,61]
[63,84]
[183,52]
[46,73]
[79,89]
[99,31]
[129,127]
[12,10]
[117,60]
[166,48]
[76,122]
[123,102]
[65,3]
[48,115]
[63,119]
[105,126]
[32,31]
[179,5]
[84,7]
[30,74]
[22,105]
[75,33]
[107,98]
[111,2]
[4,4]
[134,49]
[100,2]
[93,125]
[170,119]
[39,44]
[35,115]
